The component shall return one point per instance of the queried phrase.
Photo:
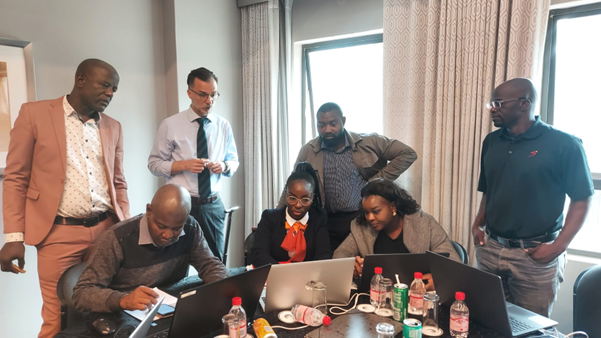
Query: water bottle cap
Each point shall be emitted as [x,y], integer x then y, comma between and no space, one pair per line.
[459,295]
[378,270]
[327,320]
[237,301]
[417,275]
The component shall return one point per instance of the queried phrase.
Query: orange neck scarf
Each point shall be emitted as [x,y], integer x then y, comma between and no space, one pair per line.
[295,241]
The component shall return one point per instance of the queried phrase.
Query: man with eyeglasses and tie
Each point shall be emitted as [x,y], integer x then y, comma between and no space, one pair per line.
[194,149]
[527,168]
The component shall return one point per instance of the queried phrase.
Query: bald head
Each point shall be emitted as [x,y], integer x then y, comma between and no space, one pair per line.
[86,67]
[172,199]
[514,88]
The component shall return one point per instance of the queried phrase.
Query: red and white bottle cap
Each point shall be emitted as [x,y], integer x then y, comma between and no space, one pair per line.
[417,275]
[459,295]
[378,270]
[237,301]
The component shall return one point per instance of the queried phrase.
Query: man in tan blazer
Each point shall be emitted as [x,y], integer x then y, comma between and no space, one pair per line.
[64,182]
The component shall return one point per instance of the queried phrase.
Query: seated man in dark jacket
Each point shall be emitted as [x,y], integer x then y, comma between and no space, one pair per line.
[297,232]
[145,251]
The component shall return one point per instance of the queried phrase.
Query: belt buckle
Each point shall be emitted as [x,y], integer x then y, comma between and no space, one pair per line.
[91,221]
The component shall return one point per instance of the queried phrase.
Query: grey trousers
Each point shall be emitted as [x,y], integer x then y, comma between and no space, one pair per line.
[211,217]
[526,283]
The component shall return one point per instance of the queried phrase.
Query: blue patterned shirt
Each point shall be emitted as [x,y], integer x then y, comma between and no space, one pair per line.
[341,179]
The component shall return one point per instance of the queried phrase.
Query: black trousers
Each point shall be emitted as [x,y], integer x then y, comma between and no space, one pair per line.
[339,224]
[211,217]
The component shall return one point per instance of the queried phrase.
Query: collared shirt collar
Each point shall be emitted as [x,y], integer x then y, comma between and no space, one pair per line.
[145,237]
[535,130]
[69,110]
[192,116]
[291,220]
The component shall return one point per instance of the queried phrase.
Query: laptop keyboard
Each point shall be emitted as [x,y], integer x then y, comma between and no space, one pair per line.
[162,334]
[518,326]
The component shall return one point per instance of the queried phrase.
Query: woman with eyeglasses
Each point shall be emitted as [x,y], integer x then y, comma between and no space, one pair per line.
[297,232]
[391,221]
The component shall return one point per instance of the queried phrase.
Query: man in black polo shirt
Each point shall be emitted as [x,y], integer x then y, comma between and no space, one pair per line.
[527,168]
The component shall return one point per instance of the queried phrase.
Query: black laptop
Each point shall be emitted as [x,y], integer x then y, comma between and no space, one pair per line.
[199,311]
[403,264]
[484,297]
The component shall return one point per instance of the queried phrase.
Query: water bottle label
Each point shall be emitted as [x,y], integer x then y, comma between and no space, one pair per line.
[417,302]
[234,331]
[375,295]
[459,324]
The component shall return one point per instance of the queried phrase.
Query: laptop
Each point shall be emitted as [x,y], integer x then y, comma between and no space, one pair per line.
[484,297]
[286,284]
[199,310]
[142,329]
[403,264]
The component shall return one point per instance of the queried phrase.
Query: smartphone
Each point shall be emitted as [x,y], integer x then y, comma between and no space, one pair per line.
[165,310]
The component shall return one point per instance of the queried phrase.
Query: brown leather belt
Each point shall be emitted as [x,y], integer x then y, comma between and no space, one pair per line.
[205,200]
[522,243]
[87,222]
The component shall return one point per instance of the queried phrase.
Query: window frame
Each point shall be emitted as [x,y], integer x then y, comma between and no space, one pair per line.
[548,83]
[306,85]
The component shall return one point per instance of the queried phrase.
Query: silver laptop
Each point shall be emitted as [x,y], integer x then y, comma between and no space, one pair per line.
[484,297]
[286,283]
[145,324]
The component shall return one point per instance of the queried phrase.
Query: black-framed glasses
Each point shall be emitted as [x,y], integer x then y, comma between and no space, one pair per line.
[203,96]
[305,202]
[498,103]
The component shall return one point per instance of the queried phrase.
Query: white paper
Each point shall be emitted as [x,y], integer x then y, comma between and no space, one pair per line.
[140,315]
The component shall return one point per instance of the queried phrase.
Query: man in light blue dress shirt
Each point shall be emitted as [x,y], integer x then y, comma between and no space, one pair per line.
[197,158]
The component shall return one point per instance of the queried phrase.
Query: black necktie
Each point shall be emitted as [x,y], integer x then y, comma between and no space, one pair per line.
[202,151]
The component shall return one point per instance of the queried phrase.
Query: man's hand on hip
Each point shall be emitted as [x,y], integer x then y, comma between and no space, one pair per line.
[546,252]
[9,252]
[141,298]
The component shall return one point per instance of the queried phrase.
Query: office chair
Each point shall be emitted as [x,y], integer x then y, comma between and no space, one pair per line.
[228,227]
[587,297]
[64,290]
[248,245]
[461,252]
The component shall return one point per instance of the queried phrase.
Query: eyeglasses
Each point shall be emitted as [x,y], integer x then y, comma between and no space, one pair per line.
[305,202]
[203,96]
[498,103]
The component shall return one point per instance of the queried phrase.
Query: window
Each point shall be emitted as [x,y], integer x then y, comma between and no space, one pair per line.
[348,72]
[572,88]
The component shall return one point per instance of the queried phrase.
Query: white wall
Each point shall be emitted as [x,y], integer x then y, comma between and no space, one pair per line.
[127,34]
[208,34]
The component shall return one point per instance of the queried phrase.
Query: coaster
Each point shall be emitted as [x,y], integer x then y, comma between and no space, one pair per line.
[367,308]
[431,331]
[286,317]
[384,312]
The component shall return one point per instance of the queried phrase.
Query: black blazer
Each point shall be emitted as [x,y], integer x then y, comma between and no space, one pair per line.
[271,232]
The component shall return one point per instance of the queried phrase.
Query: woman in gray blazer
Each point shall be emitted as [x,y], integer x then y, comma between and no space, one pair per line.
[391,221]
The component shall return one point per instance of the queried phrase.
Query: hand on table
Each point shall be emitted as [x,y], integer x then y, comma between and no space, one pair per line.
[141,298]
[8,253]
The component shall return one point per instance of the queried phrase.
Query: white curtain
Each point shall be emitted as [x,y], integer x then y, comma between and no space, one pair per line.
[442,59]
[265,50]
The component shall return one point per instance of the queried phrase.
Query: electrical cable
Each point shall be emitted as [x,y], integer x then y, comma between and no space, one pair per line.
[121,328]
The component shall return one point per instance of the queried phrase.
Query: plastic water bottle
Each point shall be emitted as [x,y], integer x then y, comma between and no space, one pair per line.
[460,316]
[375,287]
[416,295]
[241,315]
[310,316]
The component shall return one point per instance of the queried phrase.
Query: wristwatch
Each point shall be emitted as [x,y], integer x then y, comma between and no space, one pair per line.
[226,168]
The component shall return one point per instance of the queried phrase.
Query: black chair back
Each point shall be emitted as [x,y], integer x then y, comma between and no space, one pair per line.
[587,297]
[228,227]
[461,252]
[64,290]
[248,245]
